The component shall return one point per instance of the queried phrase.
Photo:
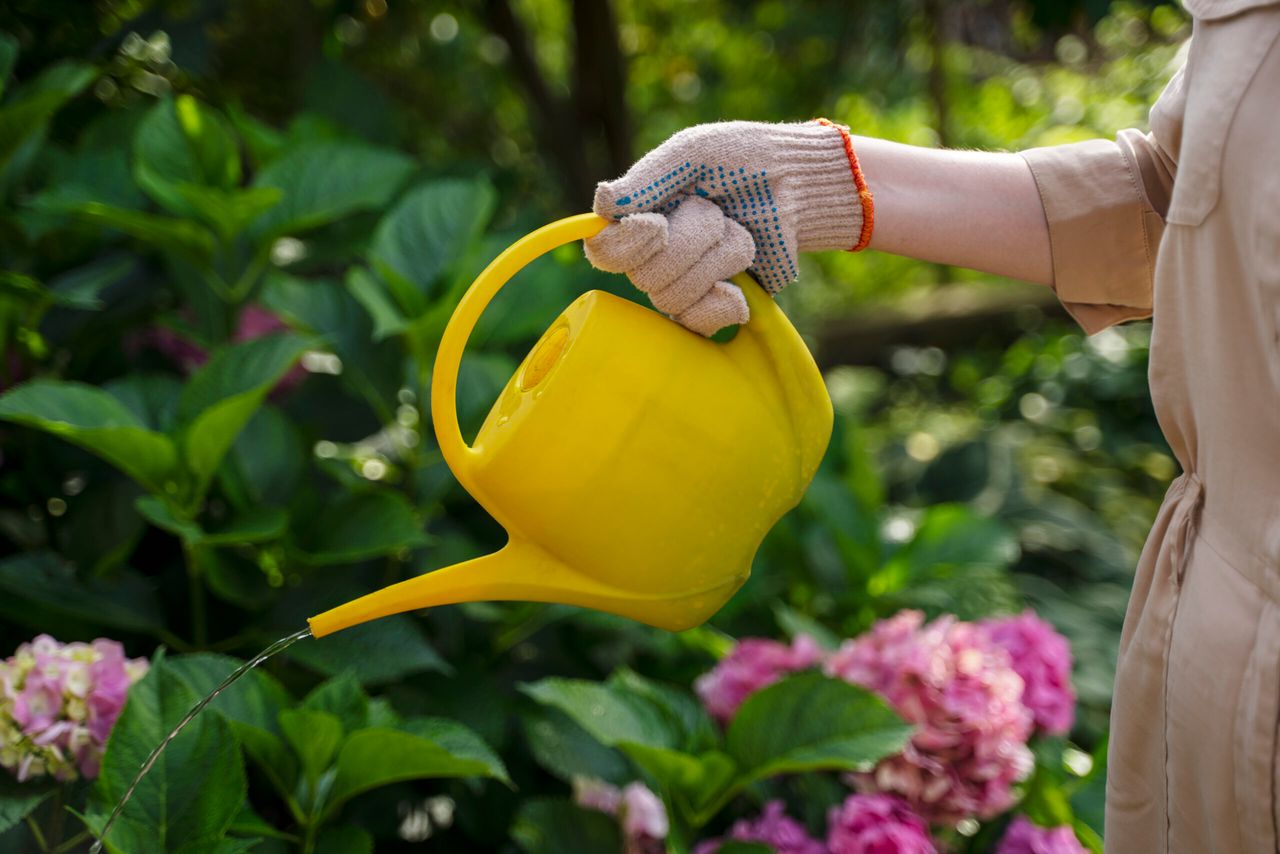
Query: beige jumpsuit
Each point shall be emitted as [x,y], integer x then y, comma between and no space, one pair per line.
[1183,224]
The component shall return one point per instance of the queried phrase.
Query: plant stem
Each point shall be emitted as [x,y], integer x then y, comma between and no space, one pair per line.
[55,820]
[37,833]
[71,843]
[309,838]
[195,592]
[249,277]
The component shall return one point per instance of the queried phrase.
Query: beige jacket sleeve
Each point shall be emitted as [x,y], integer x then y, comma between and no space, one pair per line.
[1105,203]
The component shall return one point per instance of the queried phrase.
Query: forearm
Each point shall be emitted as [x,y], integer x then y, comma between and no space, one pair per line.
[965,208]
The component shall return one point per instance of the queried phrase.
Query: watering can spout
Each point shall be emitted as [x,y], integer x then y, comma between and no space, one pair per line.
[519,572]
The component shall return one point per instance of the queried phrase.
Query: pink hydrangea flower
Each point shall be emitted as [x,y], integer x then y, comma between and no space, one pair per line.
[774,828]
[1042,657]
[965,698]
[754,663]
[58,703]
[641,813]
[877,824]
[1023,837]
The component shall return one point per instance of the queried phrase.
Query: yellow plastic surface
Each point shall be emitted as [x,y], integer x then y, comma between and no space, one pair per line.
[635,465]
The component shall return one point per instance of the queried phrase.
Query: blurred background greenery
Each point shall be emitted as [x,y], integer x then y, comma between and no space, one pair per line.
[986,454]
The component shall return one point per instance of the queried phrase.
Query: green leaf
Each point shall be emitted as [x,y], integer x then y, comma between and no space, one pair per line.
[25,116]
[153,398]
[359,526]
[249,823]
[180,146]
[323,182]
[18,800]
[251,706]
[737,846]
[196,787]
[699,783]
[267,523]
[314,737]
[258,526]
[684,715]
[344,839]
[234,576]
[158,513]
[81,288]
[269,753]
[378,757]
[228,212]
[426,233]
[164,233]
[611,715]
[265,463]
[223,395]
[553,826]
[459,740]
[794,623]
[567,750]
[382,651]
[343,698]
[371,370]
[370,293]
[99,423]
[38,587]
[256,699]
[813,723]
[8,58]
[952,549]
[952,535]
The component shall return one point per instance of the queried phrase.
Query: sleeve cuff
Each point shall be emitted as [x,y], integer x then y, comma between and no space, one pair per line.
[1102,233]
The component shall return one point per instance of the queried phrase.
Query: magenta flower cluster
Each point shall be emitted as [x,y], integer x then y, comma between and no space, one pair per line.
[58,703]
[753,664]
[975,691]
[774,828]
[863,824]
[961,691]
[1023,837]
[1042,657]
[877,824]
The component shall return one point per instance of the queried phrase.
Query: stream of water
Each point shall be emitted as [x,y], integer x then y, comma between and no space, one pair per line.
[275,648]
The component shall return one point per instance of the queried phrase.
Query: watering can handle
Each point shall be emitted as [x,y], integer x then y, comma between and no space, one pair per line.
[444,376]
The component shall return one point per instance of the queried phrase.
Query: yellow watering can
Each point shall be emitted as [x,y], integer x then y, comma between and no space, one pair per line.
[635,465]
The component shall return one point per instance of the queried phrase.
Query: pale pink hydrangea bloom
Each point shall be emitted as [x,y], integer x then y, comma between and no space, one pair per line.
[961,691]
[877,824]
[1023,837]
[58,703]
[774,828]
[643,817]
[754,663]
[1042,657]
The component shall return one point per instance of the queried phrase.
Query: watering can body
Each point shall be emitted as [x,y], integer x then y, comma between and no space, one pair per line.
[636,466]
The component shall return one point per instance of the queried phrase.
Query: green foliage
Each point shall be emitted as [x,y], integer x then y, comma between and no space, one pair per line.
[802,724]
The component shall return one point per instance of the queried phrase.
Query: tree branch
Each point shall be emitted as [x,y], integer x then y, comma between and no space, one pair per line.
[600,83]
[559,134]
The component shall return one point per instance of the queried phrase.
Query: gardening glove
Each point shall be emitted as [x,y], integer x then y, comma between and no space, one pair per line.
[680,261]
[792,187]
